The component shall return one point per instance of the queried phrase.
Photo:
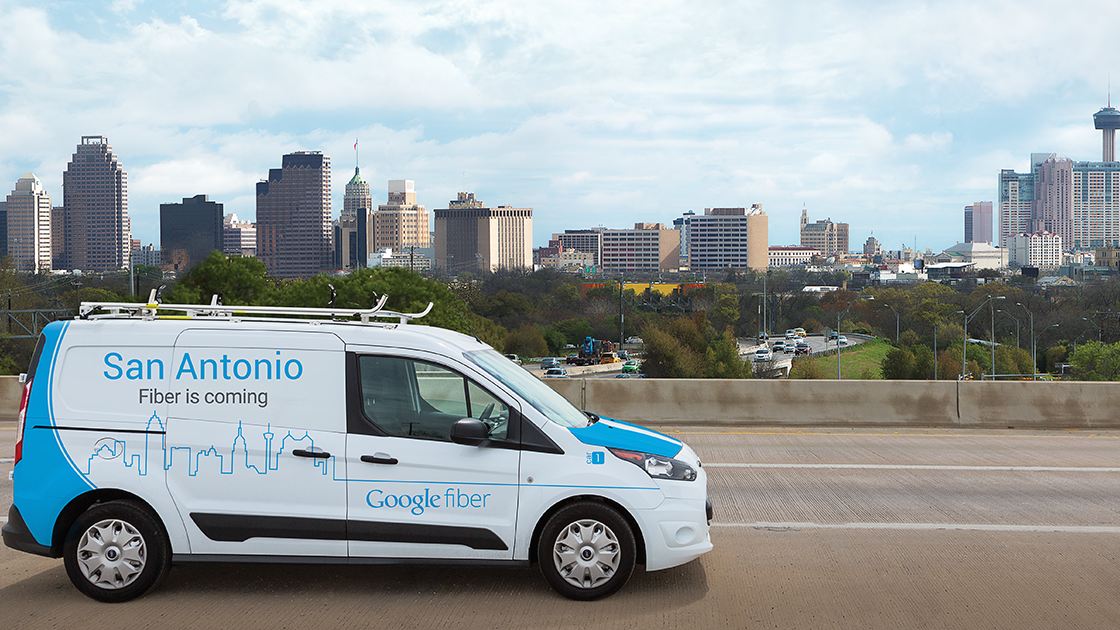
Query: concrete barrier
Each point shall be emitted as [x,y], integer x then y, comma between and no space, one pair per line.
[1020,404]
[11,392]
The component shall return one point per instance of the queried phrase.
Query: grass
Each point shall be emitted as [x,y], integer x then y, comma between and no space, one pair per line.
[856,362]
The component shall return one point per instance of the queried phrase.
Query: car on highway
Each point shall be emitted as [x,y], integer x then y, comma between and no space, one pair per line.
[832,336]
[150,434]
[841,340]
[571,358]
[800,332]
[791,334]
[789,348]
[763,354]
[802,348]
[634,340]
[556,372]
[513,357]
[779,346]
[609,357]
[630,367]
[549,362]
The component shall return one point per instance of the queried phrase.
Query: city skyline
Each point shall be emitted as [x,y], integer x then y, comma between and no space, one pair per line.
[888,118]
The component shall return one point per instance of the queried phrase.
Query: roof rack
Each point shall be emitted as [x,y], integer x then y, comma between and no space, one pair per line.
[216,310]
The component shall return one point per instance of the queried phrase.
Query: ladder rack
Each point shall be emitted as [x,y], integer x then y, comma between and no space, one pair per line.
[154,310]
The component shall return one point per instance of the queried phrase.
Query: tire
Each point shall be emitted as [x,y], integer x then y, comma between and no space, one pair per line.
[586,551]
[116,551]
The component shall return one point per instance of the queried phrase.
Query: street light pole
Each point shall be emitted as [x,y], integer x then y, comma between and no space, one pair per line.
[1034,341]
[964,348]
[1034,358]
[1016,325]
[897,319]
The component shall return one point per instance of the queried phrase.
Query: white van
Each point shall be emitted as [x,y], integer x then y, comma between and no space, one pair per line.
[327,435]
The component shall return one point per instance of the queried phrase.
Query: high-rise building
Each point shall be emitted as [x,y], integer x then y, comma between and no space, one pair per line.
[97,232]
[401,224]
[723,238]
[1038,249]
[58,236]
[649,247]
[189,231]
[871,247]
[239,238]
[294,216]
[586,241]
[29,225]
[357,210]
[471,236]
[828,237]
[978,223]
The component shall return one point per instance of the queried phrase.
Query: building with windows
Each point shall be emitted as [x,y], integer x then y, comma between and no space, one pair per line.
[96,231]
[473,237]
[828,237]
[649,247]
[723,238]
[401,224]
[239,238]
[146,255]
[1037,249]
[357,215]
[28,223]
[779,256]
[294,216]
[588,241]
[981,255]
[978,223]
[189,231]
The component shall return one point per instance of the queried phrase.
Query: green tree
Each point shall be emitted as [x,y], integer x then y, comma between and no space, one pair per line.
[898,364]
[923,363]
[526,341]
[241,281]
[1095,361]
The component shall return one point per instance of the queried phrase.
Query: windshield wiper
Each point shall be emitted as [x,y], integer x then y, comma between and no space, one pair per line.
[592,418]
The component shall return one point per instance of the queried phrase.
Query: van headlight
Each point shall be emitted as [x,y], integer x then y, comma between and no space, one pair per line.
[657,466]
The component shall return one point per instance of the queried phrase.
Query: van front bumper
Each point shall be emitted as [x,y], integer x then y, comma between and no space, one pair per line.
[17,536]
[675,532]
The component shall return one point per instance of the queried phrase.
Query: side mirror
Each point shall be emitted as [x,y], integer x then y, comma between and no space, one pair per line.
[469,431]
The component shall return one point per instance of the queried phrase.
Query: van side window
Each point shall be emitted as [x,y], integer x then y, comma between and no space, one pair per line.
[411,398]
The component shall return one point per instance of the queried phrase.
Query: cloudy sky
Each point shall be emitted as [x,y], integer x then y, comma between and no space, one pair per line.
[891,116]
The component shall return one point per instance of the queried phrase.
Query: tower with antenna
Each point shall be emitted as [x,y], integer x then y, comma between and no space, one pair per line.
[1108,121]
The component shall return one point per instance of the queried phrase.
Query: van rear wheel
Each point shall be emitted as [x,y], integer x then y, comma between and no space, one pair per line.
[116,551]
[586,551]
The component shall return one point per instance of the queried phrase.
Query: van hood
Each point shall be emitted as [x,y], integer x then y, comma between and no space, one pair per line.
[610,433]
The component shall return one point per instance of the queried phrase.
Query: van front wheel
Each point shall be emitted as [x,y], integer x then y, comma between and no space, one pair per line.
[586,551]
[116,551]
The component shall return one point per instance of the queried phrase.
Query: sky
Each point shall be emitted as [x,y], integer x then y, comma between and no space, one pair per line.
[889,116]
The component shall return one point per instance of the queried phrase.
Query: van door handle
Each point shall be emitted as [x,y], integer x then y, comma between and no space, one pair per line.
[379,459]
[299,452]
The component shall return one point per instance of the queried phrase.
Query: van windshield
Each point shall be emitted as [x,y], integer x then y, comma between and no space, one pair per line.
[542,397]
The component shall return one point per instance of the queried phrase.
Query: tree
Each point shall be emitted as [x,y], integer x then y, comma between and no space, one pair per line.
[239,280]
[923,363]
[526,341]
[898,364]
[1095,361]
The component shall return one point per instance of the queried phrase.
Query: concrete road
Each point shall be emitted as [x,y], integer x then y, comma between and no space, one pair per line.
[814,529]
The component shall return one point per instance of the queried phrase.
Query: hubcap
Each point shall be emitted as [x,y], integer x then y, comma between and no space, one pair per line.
[586,553]
[112,554]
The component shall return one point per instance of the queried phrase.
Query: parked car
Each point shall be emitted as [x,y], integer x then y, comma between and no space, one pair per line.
[549,362]
[513,357]
[556,372]
[630,367]
[763,354]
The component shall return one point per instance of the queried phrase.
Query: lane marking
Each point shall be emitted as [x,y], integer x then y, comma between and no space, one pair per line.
[920,467]
[977,527]
[7,460]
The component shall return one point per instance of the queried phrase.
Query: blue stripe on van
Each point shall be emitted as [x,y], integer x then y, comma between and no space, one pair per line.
[610,433]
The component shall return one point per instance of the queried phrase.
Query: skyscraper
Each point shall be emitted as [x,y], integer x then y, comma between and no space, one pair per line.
[831,239]
[357,209]
[29,225]
[189,231]
[97,232]
[294,216]
[401,223]
[723,238]
[978,223]
[472,237]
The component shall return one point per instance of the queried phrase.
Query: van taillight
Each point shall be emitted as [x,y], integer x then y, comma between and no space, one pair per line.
[22,417]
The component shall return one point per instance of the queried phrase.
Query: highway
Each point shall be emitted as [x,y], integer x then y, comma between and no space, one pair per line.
[817,528]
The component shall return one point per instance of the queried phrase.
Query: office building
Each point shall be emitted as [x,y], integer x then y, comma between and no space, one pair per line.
[725,238]
[400,224]
[828,237]
[357,215]
[28,224]
[779,256]
[649,247]
[586,241]
[1038,249]
[473,237]
[978,223]
[189,231]
[294,216]
[872,248]
[96,232]
[239,238]
[146,255]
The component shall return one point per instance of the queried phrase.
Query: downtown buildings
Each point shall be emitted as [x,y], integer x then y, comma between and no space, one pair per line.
[473,237]
[189,231]
[96,232]
[28,212]
[294,216]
